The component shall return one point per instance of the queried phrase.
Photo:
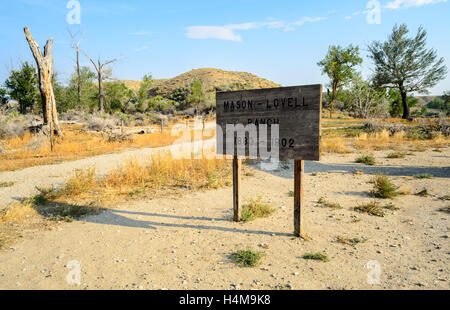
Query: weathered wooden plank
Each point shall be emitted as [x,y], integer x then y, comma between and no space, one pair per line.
[236,188]
[299,167]
[296,110]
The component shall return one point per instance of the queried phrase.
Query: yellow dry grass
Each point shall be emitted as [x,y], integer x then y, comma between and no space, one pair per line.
[383,141]
[77,144]
[334,145]
[158,176]
[17,212]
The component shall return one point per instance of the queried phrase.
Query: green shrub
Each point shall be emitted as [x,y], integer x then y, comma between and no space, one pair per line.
[316,256]
[424,176]
[423,193]
[247,258]
[383,188]
[255,209]
[366,159]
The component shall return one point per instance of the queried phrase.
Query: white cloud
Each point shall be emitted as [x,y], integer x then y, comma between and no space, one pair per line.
[141,48]
[304,20]
[228,32]
[213,32]
[398,4]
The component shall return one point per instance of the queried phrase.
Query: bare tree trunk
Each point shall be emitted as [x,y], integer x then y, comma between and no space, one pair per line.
[100,90]
[45,69]
[99,69]
[79,78]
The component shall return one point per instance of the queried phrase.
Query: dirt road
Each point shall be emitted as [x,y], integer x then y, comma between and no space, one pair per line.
[25,181]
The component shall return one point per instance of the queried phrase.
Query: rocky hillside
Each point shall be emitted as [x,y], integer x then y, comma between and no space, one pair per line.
[210,77]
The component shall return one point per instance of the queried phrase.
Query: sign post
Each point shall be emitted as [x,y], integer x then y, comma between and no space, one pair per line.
[236,188]
[299,167]
[275,123]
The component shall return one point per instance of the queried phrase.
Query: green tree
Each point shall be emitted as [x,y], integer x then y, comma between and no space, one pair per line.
[363,100]
[396,102]
[3,96]
[22,86]
[339,64]
[117,95]
[437,103]
[405,64]
[446,96]
[197,94]
[143,93]
[67,97]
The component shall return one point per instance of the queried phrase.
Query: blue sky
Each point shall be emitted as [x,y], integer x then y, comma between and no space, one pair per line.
[279,40]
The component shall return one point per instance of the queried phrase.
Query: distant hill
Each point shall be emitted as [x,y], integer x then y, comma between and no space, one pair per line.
[210,77]
[424,100]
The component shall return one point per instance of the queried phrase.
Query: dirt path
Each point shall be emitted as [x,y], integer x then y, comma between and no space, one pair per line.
[185,242]
[25,181]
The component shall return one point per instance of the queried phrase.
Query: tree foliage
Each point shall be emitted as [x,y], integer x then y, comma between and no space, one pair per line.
[22,86]
[364,101]
[339,64]
[117,96]
[396,102]
[404,63]
[197,93]
[3,96]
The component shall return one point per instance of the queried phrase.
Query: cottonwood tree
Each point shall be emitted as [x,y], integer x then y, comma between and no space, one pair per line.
[404,63]
[44,63]
[102,75]
[197,94]
[339,64]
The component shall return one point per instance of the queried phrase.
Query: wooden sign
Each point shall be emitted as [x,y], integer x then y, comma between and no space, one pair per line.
[296,110]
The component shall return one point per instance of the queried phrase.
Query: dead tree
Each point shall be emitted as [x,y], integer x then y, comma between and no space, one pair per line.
[45,69]
[76,46]
[99,67]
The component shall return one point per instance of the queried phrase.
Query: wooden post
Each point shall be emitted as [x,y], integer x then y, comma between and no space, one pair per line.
[162,128]
[299,168]
[236,188]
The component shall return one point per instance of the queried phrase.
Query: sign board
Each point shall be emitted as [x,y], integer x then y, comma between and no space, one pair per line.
[296,111]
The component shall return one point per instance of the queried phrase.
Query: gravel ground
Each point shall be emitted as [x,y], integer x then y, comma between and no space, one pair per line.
[185,242]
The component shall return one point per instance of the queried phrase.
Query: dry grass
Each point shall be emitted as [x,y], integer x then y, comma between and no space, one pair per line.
[28,150]
[445,209]
[334,145]
[326,204]
[371,208]
[16,213]
[385,141]
[254,209]
[6,184]
[160,176]
[348,241]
